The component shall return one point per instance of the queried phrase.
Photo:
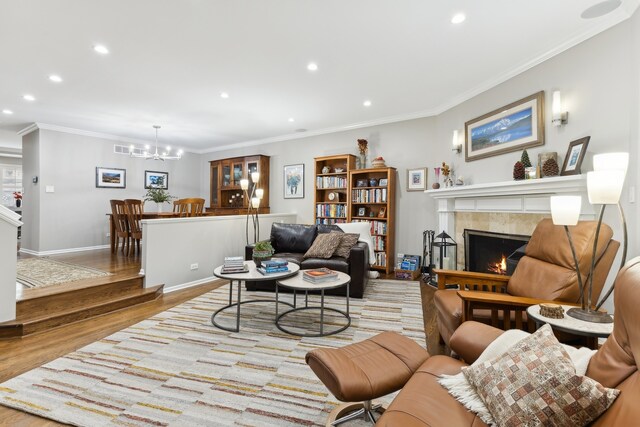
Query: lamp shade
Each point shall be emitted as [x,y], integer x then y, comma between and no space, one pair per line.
[255,203]
[244,184]
[611,161]
[255,176]
[259,193]
[605,186]
[454,141]
[556,105]
[565,210]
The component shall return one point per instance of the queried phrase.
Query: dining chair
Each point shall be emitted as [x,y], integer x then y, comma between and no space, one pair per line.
[121,225]
[134,209]
[189,207]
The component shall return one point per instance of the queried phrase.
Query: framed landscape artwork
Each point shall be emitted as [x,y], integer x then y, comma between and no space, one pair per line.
[513,127]
[417,179]
[294,181]
[111,178]
[154,179]
[575,155]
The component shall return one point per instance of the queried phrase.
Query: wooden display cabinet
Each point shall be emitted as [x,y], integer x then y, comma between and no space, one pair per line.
[376,203]
[227,197]
[331,188]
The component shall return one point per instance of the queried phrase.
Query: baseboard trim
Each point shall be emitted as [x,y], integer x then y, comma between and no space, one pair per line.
[63,251]
[190,284]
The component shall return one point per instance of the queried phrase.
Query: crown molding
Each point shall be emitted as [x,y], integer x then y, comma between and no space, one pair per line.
[619,15]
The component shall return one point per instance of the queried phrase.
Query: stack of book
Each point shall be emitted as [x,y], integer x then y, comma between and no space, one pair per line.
[274,265]
[319,275]
[234,264]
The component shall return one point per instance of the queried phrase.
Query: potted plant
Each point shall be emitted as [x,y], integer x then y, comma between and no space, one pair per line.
[159,196]
[262,251]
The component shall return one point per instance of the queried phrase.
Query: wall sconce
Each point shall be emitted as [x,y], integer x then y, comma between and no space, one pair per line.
[558,117]
[456,147]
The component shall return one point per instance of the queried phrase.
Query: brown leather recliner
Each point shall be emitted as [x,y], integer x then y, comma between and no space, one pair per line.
[423,402]
[545,273]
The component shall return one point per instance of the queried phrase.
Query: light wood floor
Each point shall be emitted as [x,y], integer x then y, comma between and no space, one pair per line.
[23,354]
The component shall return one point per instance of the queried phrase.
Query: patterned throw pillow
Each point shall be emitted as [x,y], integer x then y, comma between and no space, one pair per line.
[347,241]
[324,245]
[535,384]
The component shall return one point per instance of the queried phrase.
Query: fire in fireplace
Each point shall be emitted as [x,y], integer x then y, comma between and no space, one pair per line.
[490,252]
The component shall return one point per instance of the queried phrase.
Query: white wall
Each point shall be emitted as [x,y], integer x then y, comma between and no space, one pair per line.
[74,216]
[595,78]
[10,140]
[171,246]
[9,223]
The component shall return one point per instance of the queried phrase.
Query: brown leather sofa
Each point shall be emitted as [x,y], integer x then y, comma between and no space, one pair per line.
[423,402]
[545,273]
[291,242]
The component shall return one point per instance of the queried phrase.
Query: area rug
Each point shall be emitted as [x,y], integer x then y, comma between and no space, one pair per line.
[42,272]
[176,369]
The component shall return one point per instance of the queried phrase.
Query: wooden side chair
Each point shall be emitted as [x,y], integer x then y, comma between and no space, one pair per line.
[121,225]
[189,207]
[134,209]
[546,273]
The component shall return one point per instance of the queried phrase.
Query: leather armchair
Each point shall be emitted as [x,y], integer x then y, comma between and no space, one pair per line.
[546,273]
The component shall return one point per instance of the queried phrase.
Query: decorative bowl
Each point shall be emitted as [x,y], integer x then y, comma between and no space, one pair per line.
[378,163]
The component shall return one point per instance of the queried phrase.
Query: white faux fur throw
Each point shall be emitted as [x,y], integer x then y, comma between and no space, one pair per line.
[458,386]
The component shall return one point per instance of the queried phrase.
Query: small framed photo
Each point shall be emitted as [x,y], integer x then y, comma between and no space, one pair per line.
[111,178]
[382,182]
[362,211]
[417,179]
[362,183]
[575,156]
[382,213]
[294,181]
[154,179]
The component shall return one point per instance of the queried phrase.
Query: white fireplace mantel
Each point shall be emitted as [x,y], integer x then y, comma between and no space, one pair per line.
[527,196]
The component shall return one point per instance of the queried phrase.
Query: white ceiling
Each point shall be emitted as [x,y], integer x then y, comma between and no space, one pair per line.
[170,59]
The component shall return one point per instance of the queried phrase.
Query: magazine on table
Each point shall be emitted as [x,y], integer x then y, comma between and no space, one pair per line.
[319,275]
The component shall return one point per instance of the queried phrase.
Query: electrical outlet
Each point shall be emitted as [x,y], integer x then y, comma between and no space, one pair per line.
[194,266]
[108,234]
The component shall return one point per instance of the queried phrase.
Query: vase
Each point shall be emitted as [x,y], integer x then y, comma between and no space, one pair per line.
[159,206]
[362,161]
[259,256]
[18,203]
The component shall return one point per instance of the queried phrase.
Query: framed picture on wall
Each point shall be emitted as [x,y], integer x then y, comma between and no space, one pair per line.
[510,128]
[293,179]
[575,156]
[154,179]
[417,179]
[111,178]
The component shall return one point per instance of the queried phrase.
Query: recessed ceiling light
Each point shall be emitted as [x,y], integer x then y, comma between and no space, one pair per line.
[291,120]
[101,49]
[367,103]
[600,9]
[55,78]
[7,111]
[224,95]
[458,18]
[29,97]
[312,66]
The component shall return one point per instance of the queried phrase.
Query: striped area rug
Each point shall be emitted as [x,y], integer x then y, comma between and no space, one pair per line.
[176,369]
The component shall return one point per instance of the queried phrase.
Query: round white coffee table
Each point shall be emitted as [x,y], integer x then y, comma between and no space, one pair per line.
[297,283]
[239,279]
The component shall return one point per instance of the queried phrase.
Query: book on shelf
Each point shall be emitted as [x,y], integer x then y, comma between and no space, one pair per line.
[319,275]
[267,271]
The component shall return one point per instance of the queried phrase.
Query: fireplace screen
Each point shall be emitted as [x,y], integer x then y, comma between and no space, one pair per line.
[489,252]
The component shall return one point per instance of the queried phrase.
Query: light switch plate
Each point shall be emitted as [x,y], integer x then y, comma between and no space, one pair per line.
[49,189]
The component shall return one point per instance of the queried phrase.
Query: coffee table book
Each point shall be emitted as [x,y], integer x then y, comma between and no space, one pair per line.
[267,271]
[319,275]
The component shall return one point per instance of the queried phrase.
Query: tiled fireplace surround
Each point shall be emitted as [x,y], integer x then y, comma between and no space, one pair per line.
[504,207]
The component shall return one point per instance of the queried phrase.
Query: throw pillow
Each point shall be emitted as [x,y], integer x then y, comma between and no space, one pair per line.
[363,228]
[535,383]
[324,246]
[347,241]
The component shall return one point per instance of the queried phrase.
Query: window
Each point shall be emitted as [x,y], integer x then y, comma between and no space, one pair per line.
[11,180]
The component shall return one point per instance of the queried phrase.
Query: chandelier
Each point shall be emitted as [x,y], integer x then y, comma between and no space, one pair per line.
[165,155]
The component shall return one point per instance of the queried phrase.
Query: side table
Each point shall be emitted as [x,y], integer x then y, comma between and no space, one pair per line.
[572,325]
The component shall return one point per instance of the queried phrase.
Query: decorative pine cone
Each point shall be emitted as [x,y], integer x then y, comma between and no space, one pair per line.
[525,159]
[518,171]
[550,168]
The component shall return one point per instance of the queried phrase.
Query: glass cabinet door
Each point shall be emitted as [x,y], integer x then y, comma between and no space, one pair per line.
[226,175]
[237,173]
[215,170]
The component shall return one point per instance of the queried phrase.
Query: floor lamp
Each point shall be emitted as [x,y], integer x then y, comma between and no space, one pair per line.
[253,204]
[604,186]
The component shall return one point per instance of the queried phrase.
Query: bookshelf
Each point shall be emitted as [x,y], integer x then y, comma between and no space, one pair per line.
[331,188]
[370,201]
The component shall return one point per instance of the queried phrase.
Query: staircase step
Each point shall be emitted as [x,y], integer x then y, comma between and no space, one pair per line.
[39,323]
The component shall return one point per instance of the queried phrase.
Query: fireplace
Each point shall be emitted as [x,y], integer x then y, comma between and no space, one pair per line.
[491,252]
